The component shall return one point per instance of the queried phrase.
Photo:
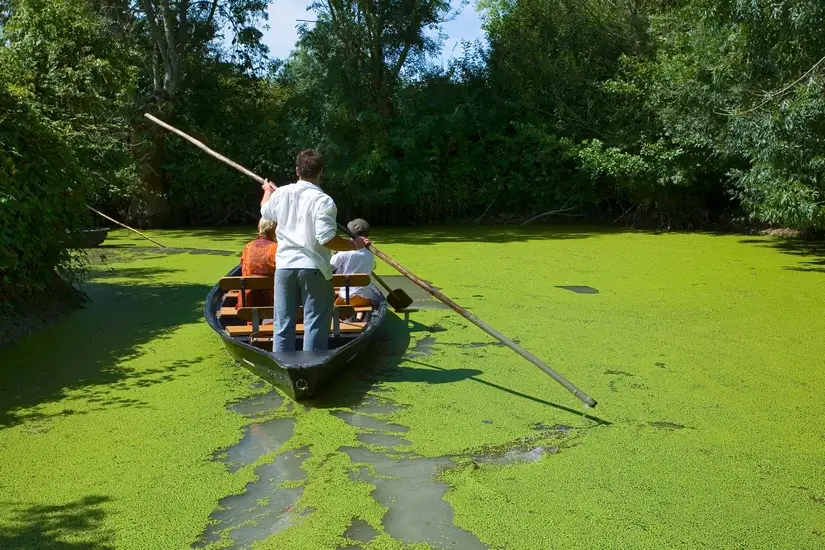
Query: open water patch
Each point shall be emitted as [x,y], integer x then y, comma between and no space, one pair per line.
[514,456]
[407,485]
[372,404]
[425,346]
[386,442]
[422,348]
[260,439]
[360,531]
[421,298]
[369,422]
[579,289]
[264,508]
[416,509]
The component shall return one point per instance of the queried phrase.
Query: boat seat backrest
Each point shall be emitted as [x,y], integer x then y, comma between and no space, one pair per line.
[228,312]
[265,282]
[248,313]
[344,327]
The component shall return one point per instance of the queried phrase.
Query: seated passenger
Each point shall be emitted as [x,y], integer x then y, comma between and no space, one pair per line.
[258,258]
[355,261]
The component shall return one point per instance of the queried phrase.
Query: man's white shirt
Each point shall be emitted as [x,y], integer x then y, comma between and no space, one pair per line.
[305,218]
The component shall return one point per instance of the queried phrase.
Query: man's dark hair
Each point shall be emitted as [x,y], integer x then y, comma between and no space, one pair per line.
[309,164]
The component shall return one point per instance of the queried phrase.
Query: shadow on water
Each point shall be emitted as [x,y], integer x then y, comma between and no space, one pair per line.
[437,371]
[384,356]
[388,349]
[44,527]
[813,251]
[83,352]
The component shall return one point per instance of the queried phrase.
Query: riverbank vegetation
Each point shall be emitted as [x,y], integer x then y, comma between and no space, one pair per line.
[655,113]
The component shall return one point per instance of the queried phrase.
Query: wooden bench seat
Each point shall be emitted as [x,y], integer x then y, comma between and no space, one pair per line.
[248,313]
[266,330]
[227,311]
[263,282]
[267,282]
[245,313]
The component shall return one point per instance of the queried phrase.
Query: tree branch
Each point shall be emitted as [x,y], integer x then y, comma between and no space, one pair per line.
[172,78]
[183,27]
[201,31]
[478,220]
[411,34]
[212,12]
[151,19]
[559,211]
[770,96]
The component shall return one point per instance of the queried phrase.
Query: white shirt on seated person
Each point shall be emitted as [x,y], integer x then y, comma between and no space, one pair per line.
[351,262]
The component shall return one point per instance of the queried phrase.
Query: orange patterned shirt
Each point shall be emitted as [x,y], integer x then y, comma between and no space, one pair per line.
[258,258]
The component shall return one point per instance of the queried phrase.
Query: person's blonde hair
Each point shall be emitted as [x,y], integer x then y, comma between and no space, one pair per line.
[267,228]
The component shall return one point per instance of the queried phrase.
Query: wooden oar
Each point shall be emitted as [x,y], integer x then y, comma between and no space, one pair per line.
[404,271]
[397,298]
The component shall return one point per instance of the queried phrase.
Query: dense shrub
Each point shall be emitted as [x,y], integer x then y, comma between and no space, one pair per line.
[41,196]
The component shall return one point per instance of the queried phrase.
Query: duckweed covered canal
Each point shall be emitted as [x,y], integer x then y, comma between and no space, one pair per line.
[127,425]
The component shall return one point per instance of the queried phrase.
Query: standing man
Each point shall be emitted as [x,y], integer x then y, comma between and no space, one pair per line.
[306,234]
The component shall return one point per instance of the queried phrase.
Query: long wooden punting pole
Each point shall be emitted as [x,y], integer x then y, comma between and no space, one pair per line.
[411,276]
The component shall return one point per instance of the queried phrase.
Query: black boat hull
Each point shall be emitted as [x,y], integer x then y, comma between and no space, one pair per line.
[87,238]
[298,374]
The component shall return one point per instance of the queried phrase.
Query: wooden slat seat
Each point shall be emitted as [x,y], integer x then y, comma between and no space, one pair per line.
[266,330]
[344,311]
[264,282]
[245,313]
[227,311]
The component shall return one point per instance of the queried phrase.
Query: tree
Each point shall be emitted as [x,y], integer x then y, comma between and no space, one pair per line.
[345,78]
[375,38]
[164,35]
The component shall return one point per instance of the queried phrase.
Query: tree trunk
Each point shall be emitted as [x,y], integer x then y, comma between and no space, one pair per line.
[149,207]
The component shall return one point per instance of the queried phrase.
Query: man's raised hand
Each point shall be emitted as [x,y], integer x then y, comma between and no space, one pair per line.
[361,242]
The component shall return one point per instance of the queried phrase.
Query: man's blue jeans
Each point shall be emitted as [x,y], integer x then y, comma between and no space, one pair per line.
[307,287]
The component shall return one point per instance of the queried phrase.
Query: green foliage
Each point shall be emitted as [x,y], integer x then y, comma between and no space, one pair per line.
[734,97]
[60,82]
[642,106]
[79,78]
[243,119]
[41,190]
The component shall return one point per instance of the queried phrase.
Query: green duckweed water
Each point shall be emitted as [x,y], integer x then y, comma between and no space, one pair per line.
[704,352]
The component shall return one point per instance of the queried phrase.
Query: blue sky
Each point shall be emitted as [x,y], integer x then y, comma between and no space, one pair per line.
[283,30]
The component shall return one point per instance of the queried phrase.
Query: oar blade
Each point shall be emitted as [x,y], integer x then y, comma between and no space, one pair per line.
[399,299]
